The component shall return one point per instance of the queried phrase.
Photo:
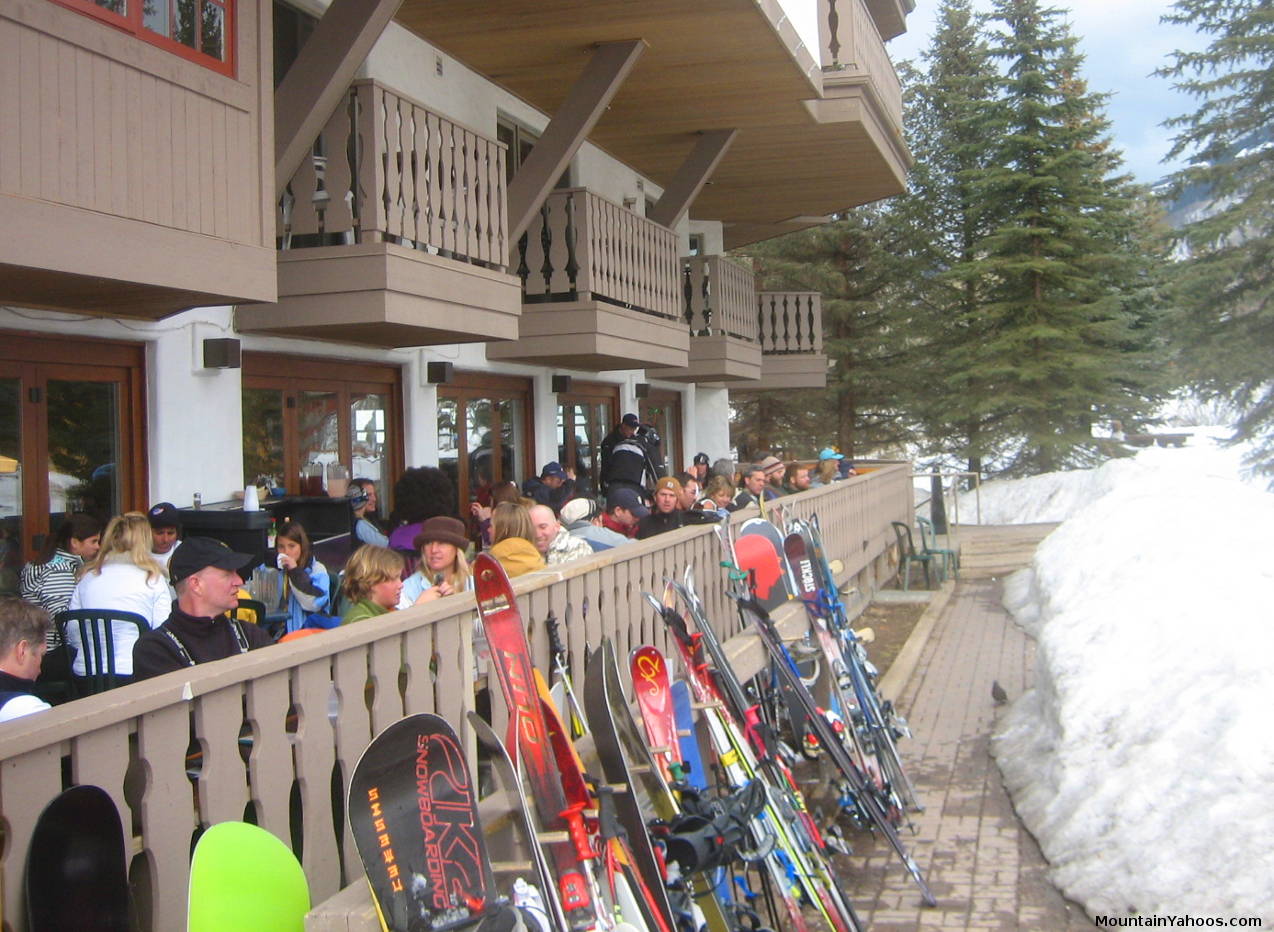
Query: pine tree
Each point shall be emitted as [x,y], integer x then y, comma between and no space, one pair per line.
[1061,343]
[856,263]
[1226,287]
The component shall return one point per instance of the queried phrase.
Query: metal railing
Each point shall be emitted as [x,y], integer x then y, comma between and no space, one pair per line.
[719,297]
[387,168]
[582,247]
[272,736]
[790,322]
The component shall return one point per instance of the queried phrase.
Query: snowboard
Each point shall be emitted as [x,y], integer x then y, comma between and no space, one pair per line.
[77,877]
[758,552]
[243,878]
[413,810]
[528,739]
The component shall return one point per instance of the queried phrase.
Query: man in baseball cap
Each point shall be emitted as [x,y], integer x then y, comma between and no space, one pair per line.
[207,575]
[165,531]
[699,468]
[624,508]
[554,486]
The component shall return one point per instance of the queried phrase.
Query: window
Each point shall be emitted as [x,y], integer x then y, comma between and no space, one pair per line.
[302,415]
[292,29]
[71,438]
[662,408]
[484,434]
[521,141]
[585,416]
[200,30]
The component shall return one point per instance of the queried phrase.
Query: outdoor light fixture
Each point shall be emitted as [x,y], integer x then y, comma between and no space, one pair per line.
[438,373]
[561,383]
[642,390]
[222,353]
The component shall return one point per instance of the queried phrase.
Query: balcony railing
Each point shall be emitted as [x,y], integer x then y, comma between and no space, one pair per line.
[582,247]
[852,52]
[279,730]
[790,322]
[386,168]
[719,297]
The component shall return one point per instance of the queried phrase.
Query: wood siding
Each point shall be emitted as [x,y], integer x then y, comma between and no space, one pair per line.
[96,120]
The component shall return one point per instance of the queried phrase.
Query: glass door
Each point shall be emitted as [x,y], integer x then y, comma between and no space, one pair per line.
[662,409]
[71,438]
[585,415]
[484,434]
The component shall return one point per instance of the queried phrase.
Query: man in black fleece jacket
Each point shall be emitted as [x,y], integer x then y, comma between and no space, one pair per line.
[206,575]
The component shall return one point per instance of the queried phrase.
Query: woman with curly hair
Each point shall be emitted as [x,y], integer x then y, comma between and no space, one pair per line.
[373,583]
[421,493]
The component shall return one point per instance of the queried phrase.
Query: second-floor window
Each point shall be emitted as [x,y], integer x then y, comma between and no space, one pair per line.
[200,30]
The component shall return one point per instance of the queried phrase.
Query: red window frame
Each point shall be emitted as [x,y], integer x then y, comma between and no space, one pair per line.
[131,23]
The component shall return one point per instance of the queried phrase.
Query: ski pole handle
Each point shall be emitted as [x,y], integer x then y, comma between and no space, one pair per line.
[573,816]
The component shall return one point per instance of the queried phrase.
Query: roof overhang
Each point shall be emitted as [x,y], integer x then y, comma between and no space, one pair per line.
[722,64]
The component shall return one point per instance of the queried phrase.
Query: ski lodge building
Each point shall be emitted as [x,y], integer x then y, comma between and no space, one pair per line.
[247,239]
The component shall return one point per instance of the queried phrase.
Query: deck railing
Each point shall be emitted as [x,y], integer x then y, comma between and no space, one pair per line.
[387,168]
[582,247]
[790,321]
[719,297]
[853,50]
[272,736]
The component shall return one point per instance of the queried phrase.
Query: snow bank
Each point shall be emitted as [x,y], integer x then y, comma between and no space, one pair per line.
[1055,496]
[1143,760]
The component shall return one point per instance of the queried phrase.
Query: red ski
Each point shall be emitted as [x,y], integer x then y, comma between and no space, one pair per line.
[654,695]
[529,737]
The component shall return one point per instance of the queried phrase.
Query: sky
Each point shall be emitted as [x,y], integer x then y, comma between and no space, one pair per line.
[1123,42]
[1142,758]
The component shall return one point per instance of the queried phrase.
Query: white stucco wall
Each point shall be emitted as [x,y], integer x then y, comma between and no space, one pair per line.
[710,413]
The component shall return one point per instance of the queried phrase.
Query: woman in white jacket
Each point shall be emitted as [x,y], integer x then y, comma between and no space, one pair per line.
[123,577]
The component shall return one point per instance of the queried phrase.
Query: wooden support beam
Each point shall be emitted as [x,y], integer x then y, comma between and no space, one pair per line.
[573,121]
[319,77]
[692,176]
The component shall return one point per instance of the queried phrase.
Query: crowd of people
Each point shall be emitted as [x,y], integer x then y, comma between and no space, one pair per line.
[188,592]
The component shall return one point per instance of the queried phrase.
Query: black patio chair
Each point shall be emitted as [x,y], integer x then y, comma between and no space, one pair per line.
[97,629]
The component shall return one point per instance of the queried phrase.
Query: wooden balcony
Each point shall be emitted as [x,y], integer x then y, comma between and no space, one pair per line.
[790,330]
[131,179]
[394,233]
[312,707]
[600,286]
[719,297]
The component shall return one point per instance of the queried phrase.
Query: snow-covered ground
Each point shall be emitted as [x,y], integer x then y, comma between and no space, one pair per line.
[1143,759]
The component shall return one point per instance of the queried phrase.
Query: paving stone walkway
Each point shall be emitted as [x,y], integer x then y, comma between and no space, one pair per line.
[984,868]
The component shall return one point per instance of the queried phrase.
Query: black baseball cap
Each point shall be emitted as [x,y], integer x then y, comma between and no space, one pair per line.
[701,459]
[164,515]
[629,500]
[632,420]
[196,553]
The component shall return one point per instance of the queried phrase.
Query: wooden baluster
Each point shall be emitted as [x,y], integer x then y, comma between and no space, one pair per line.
[337,180]
[222,784]
[100,758]
[500,239]
[433,176]
[688,292]
[167,816]
[472,225]
[534,253]
[560,254]
[385,659]
[463,216]
[27,783]
[447,178]
[353,734]
[418,693]
[315,755]
[420,176]
[270,761]
[797,342]
[304,187]
[816,322]
[393,154]
[482,172]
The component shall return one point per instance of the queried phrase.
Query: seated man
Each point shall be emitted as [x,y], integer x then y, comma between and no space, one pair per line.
[23,627]
[554,542]
[666,516]
[165,531]
[691,490]
[583,518]
[205,573]
[753,487]
[624,508]
[796,478]
[774,470]
[554,487]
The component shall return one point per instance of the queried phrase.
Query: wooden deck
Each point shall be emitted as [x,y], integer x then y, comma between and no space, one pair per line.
[993,551]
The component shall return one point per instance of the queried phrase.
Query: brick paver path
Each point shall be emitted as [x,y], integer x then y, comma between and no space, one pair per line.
[984,868]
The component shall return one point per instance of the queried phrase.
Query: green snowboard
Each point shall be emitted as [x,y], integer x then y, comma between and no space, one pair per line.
[243,878]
